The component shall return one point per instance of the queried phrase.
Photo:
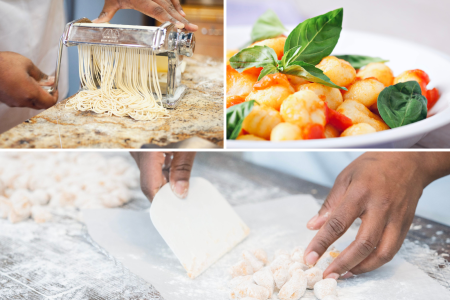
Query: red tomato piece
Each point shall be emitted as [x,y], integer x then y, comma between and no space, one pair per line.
[338,120]
[253,71]
[314,131]
[432,97]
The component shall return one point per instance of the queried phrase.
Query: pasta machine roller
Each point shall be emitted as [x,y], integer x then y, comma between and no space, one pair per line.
[165,40]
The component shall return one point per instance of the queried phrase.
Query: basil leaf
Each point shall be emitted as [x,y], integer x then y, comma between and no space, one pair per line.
[402,104]
[267,26]
[310,73]
[268,69]
[318,36]
[290,56]
[257,56]
[235,117]
[359,61]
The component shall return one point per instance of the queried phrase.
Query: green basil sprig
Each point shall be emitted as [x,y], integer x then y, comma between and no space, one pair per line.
[305,46]
[402,104]
[267,26]
[235,117]
[359,61]
[317,36]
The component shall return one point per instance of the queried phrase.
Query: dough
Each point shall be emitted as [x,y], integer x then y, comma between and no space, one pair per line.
[295,287]
[325,287]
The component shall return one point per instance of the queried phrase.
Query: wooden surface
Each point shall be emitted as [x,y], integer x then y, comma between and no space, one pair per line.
[199,114]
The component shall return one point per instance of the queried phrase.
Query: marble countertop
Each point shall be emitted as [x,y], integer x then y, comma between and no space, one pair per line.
[199,114]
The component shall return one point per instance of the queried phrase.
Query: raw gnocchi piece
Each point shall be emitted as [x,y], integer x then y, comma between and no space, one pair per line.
[338,70]
[242,268]
[250,290]
[285,132]
[358,129]
[254,262]
[358,113]
[332,96]
[379,71]
[281,260]
[364,91]
[313,276]
[264,278]
[5,207]
[331,131]
[297,266]
[280,276]
[327,258]
[2,188]
[295,288]
[297,254]
[250,137]
[325,287]
[271,96]
[261,120]
[277,44]
[21,206]
[303,108]
[40,197]
[261,255]
[40,214]
[281,252]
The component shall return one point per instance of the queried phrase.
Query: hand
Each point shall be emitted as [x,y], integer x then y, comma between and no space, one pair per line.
[20,83]
[161,10]
[158,168]
[382,189]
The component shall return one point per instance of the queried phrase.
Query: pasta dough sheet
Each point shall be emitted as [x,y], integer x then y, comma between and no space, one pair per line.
[131,238]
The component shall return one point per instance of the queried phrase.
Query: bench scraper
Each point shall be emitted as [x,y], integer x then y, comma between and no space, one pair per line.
[199,229]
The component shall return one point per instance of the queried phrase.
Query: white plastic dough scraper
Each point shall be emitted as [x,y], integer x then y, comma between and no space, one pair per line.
[199,229]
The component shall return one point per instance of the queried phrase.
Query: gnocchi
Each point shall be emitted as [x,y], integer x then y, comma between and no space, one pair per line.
[239,84]
[338,70]
[303,108]
[285,132]
[277,44]
[379,71]
[331,96]
[271,96]
[359,113]
[365,91]
[358,129]
[261,121]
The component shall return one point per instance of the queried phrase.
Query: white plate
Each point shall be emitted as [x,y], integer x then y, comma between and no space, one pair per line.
[402,56]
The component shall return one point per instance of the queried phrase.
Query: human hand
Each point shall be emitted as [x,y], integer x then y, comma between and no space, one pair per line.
[21,83]
[382,189]
[158,168]
[161,10]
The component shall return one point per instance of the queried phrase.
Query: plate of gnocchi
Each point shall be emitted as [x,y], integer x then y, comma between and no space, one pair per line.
[319,86]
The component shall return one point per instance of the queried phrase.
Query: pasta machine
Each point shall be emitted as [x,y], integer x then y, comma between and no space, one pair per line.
[165,40]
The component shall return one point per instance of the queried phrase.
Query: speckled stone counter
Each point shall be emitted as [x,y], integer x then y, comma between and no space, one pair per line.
[199,114]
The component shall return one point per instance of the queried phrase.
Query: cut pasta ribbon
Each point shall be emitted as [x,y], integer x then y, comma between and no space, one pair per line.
[128,81]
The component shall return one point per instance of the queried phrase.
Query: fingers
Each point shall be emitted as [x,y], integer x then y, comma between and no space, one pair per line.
[179,21]
[391,241]
[368,237]
[177,5]
[180,172]
[109,10]
[150,164]
[336,225]
[35,96]
[334,197]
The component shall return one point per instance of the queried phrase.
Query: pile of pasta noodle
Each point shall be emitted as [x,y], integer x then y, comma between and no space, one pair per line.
[127,79]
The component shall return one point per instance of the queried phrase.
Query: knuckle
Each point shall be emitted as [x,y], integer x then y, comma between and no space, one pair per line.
[158,11]
[365,246]
[182,167]
[336,226]
[385,256]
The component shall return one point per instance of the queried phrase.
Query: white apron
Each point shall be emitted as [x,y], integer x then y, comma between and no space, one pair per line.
[32,28]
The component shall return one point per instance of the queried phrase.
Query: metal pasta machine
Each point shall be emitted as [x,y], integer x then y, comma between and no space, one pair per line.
[165,40]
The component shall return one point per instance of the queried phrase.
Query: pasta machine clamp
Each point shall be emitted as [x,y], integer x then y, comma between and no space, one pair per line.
[165,40]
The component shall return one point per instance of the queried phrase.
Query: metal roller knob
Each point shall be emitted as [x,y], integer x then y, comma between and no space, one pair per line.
[186,43]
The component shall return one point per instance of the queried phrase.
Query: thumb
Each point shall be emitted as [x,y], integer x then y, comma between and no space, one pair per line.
[180,172]
[36,73]
[109,10]
[336,194]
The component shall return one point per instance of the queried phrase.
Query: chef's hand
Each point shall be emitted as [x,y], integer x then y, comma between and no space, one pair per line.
[382,189]
[158,168]
[21,83]
[161,10]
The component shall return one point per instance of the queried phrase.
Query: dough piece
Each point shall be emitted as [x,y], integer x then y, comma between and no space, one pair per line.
[295,288]
[297,254]
[261,255]
[2,188]
[281,261]
[264,278]
[256,263]
[40,214]
[280,276]
[327,258]
[297,266]
[5,207]
[326,287]
[249,290]
[242,268]
[40,197]
[331,297]
[21,206]
[313,276]
[233,283]
[281,252]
